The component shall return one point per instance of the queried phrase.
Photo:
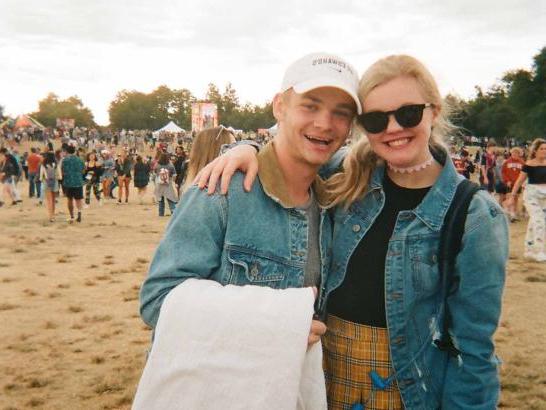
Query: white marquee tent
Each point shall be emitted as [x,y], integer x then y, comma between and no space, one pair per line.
[170,127]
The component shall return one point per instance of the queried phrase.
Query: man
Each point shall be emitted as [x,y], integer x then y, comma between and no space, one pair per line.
[277,235]
[34,160]
[72,172]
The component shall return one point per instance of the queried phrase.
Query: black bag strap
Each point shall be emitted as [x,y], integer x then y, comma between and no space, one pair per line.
[451,236]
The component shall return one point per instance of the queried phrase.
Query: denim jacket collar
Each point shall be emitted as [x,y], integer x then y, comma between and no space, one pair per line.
[273,182]
[435,204]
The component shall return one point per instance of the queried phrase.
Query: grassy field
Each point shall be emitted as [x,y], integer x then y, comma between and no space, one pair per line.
[72,337]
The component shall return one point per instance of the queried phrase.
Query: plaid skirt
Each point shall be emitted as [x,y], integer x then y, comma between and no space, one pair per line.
[351,351]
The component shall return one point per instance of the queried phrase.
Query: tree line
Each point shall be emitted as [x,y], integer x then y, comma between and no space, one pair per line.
[514,107]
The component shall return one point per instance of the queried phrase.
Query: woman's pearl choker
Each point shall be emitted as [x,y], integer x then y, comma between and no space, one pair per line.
[414,168]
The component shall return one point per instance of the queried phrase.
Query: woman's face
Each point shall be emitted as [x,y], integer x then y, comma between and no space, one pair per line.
[399,146]
[541,152]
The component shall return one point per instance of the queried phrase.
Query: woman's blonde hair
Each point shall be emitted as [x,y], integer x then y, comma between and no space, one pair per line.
[350,184]
[535,146]
[205,147]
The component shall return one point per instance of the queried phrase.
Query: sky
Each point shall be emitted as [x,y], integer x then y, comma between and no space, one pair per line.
[94,49]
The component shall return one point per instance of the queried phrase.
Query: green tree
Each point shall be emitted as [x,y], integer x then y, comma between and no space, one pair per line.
[137,110]
[527,97]
[131,110]
[51,108]
[181,103]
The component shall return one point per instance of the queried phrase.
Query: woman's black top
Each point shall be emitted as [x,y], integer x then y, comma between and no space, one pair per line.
[361,296]
[535,174]
[95,172]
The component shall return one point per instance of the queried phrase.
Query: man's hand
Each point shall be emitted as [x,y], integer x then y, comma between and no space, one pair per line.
[317,330]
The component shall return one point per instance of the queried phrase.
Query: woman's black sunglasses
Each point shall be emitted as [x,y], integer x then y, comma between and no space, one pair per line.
[407,116]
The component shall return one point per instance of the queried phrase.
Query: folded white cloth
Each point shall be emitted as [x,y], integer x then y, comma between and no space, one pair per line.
[233,347]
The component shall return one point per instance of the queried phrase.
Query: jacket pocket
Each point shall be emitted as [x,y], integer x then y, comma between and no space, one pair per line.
[253,268]
[424,264]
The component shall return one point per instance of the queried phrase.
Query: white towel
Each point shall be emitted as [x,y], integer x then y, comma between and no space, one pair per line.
[232,347]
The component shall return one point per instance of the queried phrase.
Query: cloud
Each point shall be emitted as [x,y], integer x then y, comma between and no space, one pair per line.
[96,48]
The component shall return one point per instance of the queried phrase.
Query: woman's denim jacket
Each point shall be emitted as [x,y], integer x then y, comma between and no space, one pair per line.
[255,238]
[426,376]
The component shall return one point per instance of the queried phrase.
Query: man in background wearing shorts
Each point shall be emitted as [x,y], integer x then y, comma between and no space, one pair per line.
[72,170]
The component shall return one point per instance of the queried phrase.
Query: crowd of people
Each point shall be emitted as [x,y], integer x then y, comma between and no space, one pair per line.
[510,175]
[83,168]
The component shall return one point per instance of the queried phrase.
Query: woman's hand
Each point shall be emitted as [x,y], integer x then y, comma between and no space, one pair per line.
[241,157]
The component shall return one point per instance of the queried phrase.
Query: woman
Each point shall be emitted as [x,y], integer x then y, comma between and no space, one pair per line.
[206,146]
[383,296]
[108,169]
[164,188]
[7,174]
[534,198]
[123,170]
[180,164]
[92,172]
[511,170]
[50,175]
[142,177]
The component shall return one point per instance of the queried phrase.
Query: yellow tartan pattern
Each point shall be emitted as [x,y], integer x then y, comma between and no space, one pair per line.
[351,351]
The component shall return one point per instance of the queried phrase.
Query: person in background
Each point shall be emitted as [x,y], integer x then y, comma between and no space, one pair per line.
[462,163]
[206,146]
[510,173]
[164,188]
[123,170]
[72,168]
[180,165]
[142,177]
[50,175]
[108,170]
[92,173]
[534,198]
[34,161]
[7,173]
[500,187]
[487,166]
[24,164]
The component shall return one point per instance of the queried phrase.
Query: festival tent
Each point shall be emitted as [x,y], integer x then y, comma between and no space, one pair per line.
[170,127]
[25,121]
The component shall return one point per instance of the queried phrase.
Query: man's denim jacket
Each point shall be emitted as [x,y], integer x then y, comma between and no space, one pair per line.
[426,377]
[256,238]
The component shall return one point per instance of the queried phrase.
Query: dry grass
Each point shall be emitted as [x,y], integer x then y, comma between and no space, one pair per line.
[8,306]
[79,346]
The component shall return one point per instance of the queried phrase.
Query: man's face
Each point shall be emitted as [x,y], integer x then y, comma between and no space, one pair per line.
[313,125]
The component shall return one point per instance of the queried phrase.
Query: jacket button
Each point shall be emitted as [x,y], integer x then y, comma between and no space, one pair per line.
[356,228]
[396,295]
[254,270]
[398,340]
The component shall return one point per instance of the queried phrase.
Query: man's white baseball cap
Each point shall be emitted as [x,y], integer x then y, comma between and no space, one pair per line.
[322,70]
